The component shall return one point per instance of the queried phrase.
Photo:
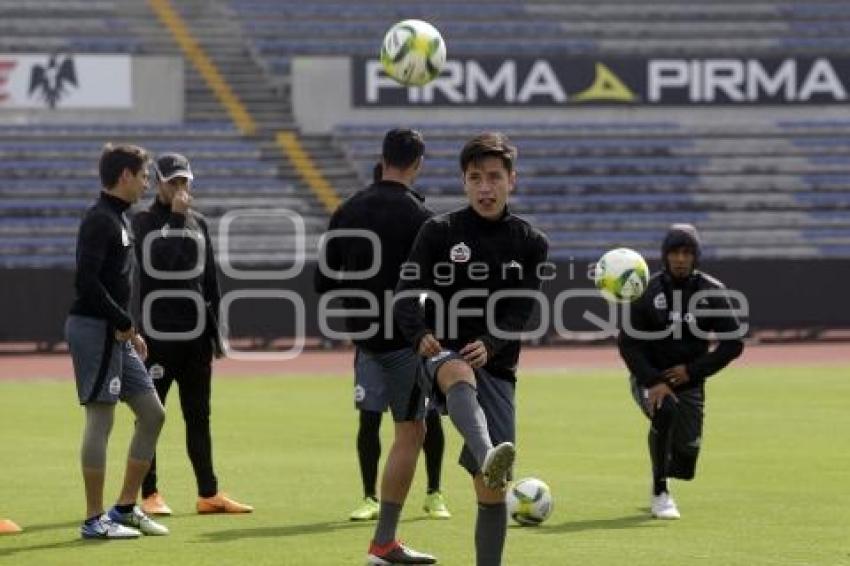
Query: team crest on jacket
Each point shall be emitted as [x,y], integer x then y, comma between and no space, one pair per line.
[115,386]
[156,371]
[460,253]
[660,301]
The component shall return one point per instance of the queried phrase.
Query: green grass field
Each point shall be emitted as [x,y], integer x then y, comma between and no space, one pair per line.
[773,486]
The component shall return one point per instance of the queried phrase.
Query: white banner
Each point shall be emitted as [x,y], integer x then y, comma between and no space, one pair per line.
[65,81]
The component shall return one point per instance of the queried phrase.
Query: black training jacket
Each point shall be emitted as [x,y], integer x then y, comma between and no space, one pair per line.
[104,263]
[666,306]
[179,237]
[394,213]
[462,252]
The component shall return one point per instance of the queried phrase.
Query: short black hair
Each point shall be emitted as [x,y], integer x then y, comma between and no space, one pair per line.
[115,158]
[488,144]
[402,147]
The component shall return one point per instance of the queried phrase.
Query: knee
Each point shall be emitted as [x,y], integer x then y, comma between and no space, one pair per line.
[666,413]
[683,462]
[370,425]
[453,372]
[153,419]
[196,416]
[411,433]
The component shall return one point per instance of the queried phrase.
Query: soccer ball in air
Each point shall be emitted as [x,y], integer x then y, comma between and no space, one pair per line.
[529,501]
[413,52]
[621,274]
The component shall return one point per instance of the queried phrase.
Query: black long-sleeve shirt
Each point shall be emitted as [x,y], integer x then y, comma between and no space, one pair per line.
[104,263]
[179,238]
[462,252]
[658,309]
[394,213]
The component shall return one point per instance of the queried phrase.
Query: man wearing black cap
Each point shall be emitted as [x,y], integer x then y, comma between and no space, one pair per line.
[180,299]
[681,306]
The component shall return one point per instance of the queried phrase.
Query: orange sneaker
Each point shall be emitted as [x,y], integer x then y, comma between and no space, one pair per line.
[8,527]
[221,503]
[154,504]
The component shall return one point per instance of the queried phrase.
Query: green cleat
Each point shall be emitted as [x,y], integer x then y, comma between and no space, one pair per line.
[435,506]
[367,511]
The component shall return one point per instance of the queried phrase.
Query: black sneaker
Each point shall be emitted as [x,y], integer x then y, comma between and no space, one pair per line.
[396,553]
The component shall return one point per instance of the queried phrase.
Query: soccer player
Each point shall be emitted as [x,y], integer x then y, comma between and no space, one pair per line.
[179,234]
[393,212]
[108,352]
[370,398]
[460,259]
[668,370]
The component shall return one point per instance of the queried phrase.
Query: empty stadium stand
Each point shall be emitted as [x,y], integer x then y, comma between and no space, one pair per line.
[756,190]
[775,189]
[48,174]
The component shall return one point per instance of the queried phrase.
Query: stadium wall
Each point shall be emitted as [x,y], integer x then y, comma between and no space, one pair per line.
[802,294]
[107,89]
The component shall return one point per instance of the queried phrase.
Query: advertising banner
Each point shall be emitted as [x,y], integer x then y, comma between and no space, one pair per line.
[527,82]
[65,81]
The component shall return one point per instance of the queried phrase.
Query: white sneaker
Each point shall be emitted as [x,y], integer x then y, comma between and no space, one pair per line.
[137,519]
[106,528]
[664,507]
[497,465]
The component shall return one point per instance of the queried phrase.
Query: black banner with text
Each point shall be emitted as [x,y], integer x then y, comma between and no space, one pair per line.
[547,82]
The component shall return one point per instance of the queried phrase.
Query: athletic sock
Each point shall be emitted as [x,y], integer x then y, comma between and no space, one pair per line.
[491,527]
[387,522]
[433,446]
[659,486]
[127,508]
[468,418]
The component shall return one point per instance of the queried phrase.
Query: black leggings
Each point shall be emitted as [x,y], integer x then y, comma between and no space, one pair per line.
[190,365]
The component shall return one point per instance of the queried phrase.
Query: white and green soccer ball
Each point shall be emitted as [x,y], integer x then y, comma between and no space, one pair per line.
[413,52]
[529,501]
[621,275]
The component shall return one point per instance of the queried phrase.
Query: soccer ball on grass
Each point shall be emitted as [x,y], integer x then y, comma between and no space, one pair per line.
[529,501]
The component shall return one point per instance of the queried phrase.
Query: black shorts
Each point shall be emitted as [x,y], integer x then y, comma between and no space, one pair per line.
[497,400]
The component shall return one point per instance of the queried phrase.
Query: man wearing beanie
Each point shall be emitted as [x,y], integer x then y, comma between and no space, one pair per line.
[665,343]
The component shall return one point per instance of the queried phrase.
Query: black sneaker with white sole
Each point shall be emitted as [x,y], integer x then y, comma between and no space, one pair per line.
[396,552]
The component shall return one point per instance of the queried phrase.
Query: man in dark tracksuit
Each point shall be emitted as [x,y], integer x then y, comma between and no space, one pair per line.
[668,371]
[461,259]
[392,212]
[183,334]
[108,352]
[370,388]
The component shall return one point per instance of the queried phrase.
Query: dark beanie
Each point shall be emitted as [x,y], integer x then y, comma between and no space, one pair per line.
[681,236]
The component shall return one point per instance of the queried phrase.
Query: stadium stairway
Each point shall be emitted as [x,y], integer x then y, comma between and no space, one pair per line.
[48,173]
[216,27]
